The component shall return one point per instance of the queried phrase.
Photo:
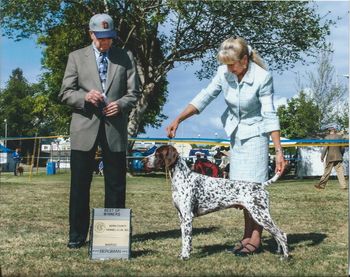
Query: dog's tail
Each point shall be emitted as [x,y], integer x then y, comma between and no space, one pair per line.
[272,180]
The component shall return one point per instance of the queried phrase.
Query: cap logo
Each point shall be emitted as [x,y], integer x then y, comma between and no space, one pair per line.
[105,25]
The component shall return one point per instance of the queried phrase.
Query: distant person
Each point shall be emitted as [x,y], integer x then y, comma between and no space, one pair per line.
[203,166]
[16,156]
[98,159]
[218,156]
[249,120]
[100,168]
[225,166]
[101,86]
[226,171]
[334,159]
[200,156]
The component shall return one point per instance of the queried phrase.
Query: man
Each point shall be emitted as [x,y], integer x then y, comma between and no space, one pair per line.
[16,156]
[100,84]
[334,158]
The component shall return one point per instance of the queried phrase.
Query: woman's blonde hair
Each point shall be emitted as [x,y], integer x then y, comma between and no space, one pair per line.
[234,49]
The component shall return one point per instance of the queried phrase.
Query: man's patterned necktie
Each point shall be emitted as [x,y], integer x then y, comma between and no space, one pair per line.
[102,69]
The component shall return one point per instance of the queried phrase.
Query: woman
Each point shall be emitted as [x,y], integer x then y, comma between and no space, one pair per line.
[249,120]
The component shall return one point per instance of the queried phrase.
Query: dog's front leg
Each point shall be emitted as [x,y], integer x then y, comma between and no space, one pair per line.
[186,233]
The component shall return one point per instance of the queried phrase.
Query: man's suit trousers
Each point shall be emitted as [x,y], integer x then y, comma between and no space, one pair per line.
[338,166]
[82,167]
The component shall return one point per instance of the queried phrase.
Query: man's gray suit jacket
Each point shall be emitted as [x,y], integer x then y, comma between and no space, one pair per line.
[122,85]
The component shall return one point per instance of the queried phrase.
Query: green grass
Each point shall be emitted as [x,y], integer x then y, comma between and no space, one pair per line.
[34,230]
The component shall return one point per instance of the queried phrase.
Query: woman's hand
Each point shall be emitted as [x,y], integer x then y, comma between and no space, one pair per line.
[280,163]
[171,129]
[186,113]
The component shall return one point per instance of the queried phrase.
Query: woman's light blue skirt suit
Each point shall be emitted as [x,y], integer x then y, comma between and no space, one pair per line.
[248,120]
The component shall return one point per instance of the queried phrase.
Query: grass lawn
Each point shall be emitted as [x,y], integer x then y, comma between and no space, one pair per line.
[34,231]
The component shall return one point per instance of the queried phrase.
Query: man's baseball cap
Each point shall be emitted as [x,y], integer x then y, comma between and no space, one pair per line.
[333,127]
[102,25]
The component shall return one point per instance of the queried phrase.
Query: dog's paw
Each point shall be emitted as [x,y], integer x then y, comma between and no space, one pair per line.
[285,258]
[184,257]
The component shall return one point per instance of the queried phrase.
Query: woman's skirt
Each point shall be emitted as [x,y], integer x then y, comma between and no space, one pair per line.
[249,158]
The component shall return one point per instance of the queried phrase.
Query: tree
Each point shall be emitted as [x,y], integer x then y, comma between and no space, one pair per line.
[28,109]
[16,104]
[47,113]
[327,93]
[342,118]
[163,33]
[300,118]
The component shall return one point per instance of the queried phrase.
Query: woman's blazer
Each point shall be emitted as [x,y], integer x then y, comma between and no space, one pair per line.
[250,110]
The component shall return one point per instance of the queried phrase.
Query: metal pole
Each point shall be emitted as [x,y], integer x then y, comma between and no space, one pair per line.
[5,142]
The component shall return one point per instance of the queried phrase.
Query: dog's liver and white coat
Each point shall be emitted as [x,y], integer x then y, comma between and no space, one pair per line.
[195,195]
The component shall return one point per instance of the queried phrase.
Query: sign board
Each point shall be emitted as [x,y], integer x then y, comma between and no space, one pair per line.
[3,158]
[110,234]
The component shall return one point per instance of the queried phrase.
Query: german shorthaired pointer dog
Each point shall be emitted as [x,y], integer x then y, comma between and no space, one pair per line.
[195,195]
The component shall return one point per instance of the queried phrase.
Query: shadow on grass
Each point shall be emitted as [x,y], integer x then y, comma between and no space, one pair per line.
[212,249]
[160,175]
[269,245]
[170,234]
[140,253]
[310,239]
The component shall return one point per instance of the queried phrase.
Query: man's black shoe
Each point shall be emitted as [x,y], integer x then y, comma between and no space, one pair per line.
[75,244]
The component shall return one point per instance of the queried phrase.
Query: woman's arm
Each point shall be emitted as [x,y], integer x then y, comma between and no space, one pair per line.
[186,113]
[280,161]
[199,103]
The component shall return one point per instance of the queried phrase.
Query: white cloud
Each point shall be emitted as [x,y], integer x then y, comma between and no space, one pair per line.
[280,102]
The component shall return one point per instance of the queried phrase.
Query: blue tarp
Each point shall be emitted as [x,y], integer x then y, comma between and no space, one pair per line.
[4,149]
[150,151]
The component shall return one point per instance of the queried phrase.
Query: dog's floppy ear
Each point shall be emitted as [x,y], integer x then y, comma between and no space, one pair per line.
[171,156]
[168,155]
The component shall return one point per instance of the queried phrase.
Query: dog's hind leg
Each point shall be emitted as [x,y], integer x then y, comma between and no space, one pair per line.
[263,218]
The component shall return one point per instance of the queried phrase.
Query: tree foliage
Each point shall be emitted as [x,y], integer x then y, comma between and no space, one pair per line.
[342,117]
[163,33]
[28,109]
[300,118]
[327,92]
[16,104]
[323,101]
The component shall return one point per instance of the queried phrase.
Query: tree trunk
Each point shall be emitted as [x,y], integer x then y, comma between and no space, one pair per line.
[137,113]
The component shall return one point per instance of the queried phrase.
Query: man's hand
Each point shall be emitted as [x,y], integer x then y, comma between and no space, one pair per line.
[111,109]
[94,97]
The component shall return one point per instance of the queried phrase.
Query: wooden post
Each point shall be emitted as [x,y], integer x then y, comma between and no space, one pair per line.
[32,162]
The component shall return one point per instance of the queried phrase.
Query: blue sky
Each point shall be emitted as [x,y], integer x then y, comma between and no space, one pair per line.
[183,85]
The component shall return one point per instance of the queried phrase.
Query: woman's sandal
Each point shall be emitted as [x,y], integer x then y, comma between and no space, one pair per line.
[238,247]
[255,250]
